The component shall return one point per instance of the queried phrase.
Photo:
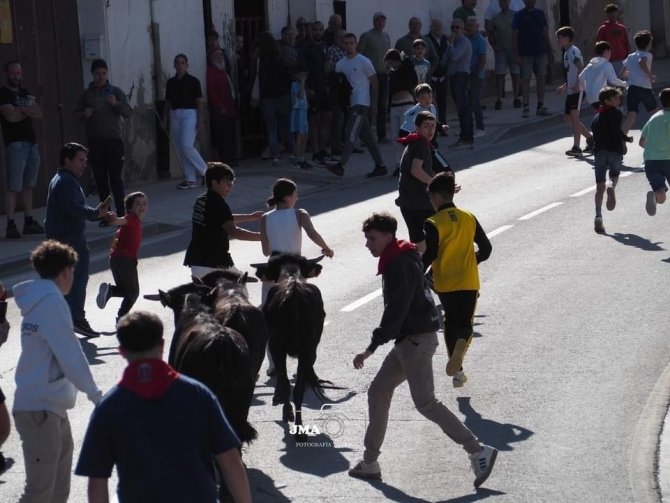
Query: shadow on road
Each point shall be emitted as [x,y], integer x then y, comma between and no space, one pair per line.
[263,487]
[317,456]
[92,351]
[393,493]
[477,496]
[498,435]
[636,241]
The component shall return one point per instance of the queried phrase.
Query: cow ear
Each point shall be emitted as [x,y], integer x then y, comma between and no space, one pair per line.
[164,298]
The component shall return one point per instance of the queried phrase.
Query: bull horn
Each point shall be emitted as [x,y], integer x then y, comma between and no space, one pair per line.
[153,296]
[316,260]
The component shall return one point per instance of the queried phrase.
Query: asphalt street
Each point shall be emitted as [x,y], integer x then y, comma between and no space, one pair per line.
[570,343]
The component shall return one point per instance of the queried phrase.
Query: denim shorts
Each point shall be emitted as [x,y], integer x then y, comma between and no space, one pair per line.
[606,160]
[504,60]
[637,95]
[534,64]
[657,173]
[22,162]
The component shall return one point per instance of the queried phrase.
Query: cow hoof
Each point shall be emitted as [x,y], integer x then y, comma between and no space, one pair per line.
[287,413]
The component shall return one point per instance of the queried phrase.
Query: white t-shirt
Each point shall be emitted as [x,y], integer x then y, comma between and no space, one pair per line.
[494,8]
[636,76]
[358,71]
[570,58]
[283,230]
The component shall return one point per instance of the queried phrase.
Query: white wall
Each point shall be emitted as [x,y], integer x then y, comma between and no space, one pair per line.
[277,14]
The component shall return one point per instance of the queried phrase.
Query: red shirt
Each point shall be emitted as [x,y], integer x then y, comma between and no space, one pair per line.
[615,33]
[127,238]
[220,92]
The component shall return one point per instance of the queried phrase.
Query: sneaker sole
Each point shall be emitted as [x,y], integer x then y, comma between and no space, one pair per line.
[101,299]
[651,203]
[456,361]
[611,199]
[492,461]
[365,476]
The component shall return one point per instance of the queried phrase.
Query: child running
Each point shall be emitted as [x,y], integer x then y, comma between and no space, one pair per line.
[608,149]
[598,74]
[637,68]
[123,254]
[299,124]
[573,62]
[655,139]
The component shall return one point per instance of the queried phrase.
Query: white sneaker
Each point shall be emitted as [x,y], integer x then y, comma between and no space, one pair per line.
[364,470]
[482,463]
[479,133]
[651,203]
[103,295]
[459,379]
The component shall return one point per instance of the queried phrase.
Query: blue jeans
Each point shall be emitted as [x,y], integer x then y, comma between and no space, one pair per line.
[77,296]
[183,128]
[460,83]
[474,99]
[604,161]
[277,116]
[22,161]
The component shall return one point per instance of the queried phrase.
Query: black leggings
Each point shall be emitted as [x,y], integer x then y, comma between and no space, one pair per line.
[459,312]
[124,270]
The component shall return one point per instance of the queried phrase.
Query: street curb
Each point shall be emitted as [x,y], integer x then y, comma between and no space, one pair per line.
[644,458]
[21,263]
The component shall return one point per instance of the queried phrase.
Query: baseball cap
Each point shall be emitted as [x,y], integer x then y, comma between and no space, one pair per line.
[379,14]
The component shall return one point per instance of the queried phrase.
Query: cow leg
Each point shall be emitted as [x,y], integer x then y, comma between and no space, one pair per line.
[282,393]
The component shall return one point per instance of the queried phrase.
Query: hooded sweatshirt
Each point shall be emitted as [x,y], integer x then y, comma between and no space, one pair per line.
[597,74]
[52,365]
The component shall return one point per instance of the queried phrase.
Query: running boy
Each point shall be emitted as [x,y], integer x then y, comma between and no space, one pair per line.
[637,66]
[450,237]
[573,62]
[608,148]
[598,74]
[123,254]
[655,139]
[299,124]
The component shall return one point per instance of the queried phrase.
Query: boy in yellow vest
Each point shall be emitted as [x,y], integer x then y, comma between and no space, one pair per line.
[450,237]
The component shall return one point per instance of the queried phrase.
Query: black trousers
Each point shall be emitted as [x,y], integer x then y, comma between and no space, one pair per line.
[124,271]
[106,158]
[459,312]
[224,138]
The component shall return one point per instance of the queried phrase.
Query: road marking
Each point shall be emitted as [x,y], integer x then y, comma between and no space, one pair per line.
[361,301]
[582,192]
[541,210]
[499,230]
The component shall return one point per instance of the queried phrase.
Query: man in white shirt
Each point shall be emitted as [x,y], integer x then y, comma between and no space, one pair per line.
[360,74]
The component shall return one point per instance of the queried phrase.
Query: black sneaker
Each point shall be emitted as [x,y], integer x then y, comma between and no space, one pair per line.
[589,146]
[83,328]
[12,231]
[103,295]
[319,158]
[574,152]
[378,171]
[32,227]
[304,165]
[336,169]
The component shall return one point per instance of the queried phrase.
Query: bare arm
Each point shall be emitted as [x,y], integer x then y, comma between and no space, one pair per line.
[235,475]
[417,171]
[236,232]
[33,111]
[97,490]
[241,218]
[12,113]
[265,243]
[306,223]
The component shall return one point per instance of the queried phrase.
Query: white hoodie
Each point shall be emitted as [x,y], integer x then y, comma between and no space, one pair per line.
[52,365]
[597,74]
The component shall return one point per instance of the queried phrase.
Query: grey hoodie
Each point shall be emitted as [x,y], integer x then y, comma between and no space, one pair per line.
[52,365]
[597,74]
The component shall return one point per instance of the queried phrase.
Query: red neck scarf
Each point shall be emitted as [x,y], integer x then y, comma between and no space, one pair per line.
[412,138]
[148,378]
[394,248]
[602,108]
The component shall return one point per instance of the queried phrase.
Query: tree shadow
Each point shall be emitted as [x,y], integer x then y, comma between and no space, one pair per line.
[490,432]
[317,456]
[263,487]
[636,241]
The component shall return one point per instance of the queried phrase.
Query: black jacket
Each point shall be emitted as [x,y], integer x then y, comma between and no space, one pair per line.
[408,304]
[607,134]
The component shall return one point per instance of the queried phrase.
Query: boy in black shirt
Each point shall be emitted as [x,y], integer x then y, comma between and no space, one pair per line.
[608,148]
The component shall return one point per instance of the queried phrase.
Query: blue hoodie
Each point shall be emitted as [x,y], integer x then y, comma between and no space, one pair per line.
[52,365]
[67,210]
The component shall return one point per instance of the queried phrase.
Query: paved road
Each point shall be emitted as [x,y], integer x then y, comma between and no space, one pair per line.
[570,344]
